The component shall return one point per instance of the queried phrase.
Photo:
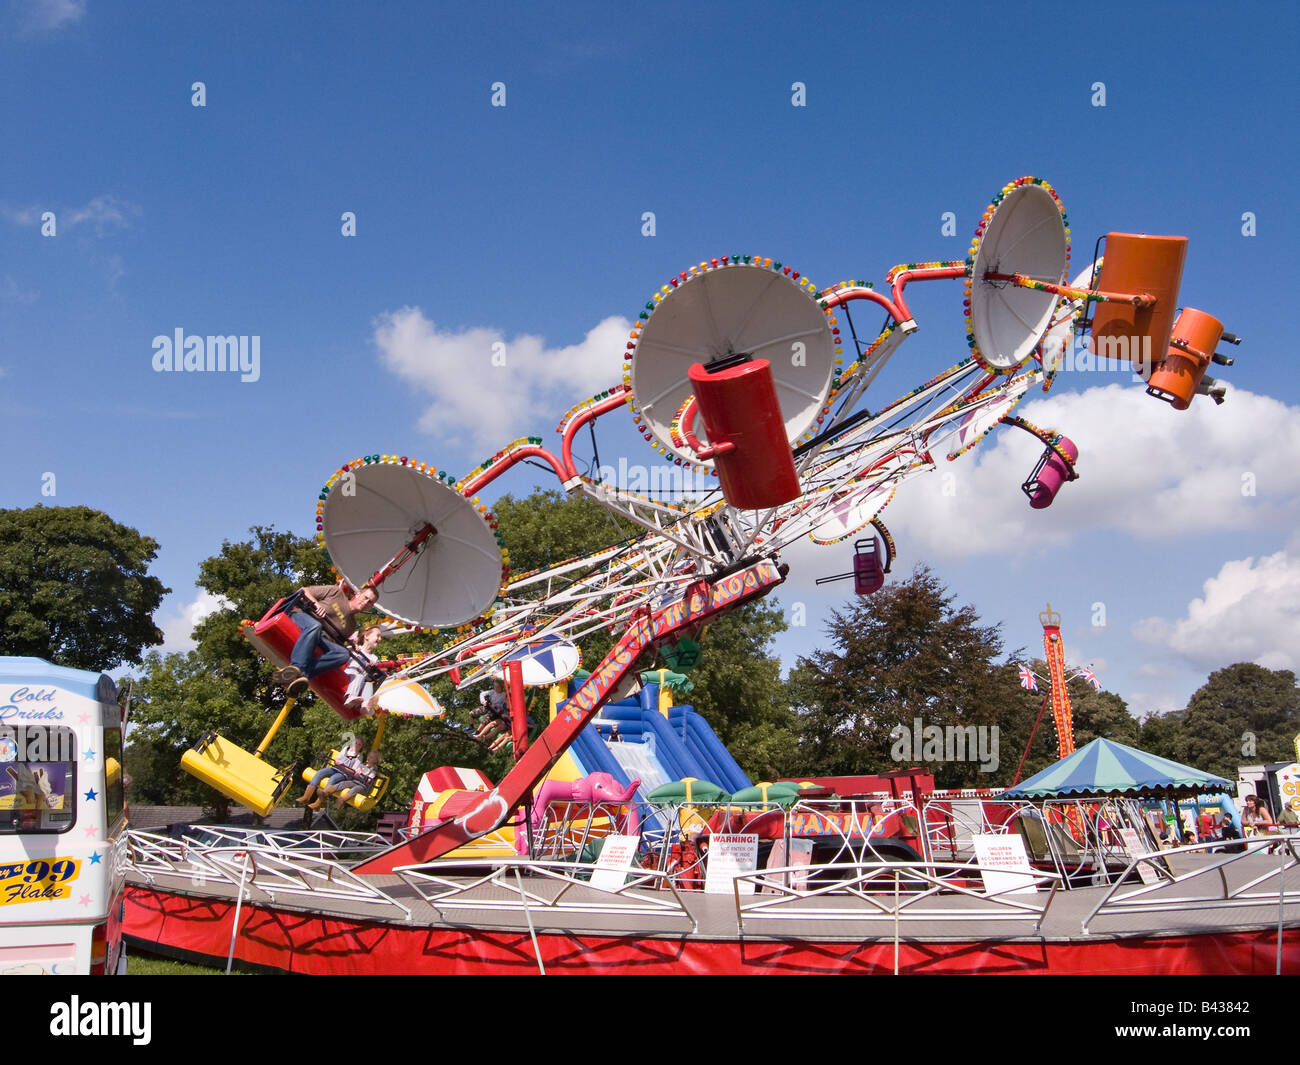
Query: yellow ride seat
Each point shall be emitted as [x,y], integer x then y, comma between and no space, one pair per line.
[235,773]
[362,801]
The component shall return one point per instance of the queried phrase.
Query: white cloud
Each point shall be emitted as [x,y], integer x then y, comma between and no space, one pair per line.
[1140,704]
[114,270]
[178,626]
[103,212]
[1144,469]
[488,390]
[1250,612]
[21,216]
[38,15]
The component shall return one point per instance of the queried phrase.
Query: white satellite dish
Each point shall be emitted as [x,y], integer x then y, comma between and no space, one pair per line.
[1024,235]
[371,510]
[407,698]
[545,661]
[724,310]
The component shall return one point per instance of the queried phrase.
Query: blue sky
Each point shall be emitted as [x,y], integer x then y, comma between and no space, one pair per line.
[523,224]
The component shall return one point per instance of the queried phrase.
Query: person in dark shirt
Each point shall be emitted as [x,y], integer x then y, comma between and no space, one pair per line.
[494,715]
[324,614]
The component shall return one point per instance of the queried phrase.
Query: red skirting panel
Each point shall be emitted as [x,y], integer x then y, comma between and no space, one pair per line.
[307,943]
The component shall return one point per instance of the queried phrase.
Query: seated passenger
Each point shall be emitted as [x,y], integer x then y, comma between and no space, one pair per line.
[493,715]
[360,694]
[346,761]
[322,607]
[357,782]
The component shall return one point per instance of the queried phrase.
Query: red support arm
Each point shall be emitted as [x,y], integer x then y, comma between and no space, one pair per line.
[931,273]
[616,398]
[563,466]
[404,555]
[858,292]
[518,709]
[511,459]
[697,605]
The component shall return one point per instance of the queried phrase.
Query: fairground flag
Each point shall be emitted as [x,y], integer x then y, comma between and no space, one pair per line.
[1027,679]
[1091,678]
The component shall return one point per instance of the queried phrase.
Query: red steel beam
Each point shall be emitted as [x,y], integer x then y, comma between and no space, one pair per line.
[702,601]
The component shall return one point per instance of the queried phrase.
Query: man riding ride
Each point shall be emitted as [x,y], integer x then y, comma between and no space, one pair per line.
[324,613]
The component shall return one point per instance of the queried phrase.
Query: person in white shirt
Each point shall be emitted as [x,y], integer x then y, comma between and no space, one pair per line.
[360,694]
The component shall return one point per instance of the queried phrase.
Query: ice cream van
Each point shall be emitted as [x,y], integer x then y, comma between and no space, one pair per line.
[63,819]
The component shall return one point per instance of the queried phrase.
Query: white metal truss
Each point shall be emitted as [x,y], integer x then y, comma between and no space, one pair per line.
[607,588]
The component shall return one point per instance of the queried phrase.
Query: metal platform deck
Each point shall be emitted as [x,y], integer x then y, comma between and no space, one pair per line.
[308,913]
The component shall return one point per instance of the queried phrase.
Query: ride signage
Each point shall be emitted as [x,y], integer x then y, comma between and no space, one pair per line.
[617,854]
[730,856]
[1002,860]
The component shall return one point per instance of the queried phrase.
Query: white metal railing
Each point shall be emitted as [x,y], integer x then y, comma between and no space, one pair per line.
[850,829]
[249,864]
[278,873]
[1168,894]
[345,847]
[1079,837]
[862,829]
[567,827]
[502,887]
[152,855]
[892,891]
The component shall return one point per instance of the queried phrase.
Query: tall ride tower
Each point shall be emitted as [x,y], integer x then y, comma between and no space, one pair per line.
[1059,692]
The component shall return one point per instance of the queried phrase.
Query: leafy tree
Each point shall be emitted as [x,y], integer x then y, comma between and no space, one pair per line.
[1162,734]
[75,587]
[1101,714]
[905,653]
[1244,713]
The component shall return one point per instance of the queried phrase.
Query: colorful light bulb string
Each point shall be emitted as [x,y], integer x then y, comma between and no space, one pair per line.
[1049,438]
[586,404]
[701,269]
[980,231]
[340,482]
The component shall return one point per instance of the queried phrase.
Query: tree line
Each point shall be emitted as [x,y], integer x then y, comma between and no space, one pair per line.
[74,589]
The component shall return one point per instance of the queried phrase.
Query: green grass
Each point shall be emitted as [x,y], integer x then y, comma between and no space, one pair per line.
[148,965]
